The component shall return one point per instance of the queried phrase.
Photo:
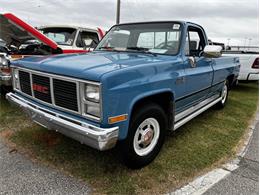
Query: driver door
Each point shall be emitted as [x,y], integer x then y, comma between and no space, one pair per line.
[198,69]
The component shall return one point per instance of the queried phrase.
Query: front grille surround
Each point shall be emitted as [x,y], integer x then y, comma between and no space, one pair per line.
[79,93]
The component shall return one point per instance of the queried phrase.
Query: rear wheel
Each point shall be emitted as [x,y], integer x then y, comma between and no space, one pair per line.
[145,136]
[224,95]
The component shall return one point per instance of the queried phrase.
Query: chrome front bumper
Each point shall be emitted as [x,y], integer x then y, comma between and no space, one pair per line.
[96,137]
[5,80]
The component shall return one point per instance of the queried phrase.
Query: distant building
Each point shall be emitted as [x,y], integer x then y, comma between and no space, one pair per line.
[235,47]
[242,48]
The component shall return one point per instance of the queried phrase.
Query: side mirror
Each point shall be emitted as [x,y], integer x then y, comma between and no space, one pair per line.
[212,51]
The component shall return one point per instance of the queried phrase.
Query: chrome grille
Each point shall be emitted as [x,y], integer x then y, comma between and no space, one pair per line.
[61,93]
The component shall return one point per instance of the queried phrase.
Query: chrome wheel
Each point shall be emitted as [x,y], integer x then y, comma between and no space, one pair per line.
[224,94]
[146,136]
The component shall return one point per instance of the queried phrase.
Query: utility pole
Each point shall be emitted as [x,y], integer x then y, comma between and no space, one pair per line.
[118,12]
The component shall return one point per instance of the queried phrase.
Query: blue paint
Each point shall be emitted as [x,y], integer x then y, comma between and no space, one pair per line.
[127,77]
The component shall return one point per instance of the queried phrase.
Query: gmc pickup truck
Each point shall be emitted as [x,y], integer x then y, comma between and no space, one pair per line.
[141,80]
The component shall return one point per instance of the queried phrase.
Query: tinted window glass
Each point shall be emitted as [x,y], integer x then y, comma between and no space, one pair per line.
[62,36]
[87,39]
[162,37]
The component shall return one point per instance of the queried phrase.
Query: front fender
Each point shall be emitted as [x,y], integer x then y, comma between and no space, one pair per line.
[126,107]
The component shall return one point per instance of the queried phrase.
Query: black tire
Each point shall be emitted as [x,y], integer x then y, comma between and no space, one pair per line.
[235,84]
[223,102]
[149,111]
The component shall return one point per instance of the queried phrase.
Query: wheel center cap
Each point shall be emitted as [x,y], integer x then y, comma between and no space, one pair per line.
[147,137]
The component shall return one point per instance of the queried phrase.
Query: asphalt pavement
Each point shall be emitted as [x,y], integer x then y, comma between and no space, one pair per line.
[19,175]
[245,179]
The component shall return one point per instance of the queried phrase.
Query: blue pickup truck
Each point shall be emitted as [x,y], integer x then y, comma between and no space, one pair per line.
[141,80]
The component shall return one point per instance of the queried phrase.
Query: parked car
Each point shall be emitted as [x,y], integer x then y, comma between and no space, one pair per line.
[73,38]
[249,70]
[19,40]
[127,91]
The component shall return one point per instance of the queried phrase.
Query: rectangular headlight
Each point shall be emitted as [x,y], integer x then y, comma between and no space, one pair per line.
[92,109]
[92,92]
[91,99]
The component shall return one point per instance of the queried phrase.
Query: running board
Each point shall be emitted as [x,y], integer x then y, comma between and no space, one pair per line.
[193,115]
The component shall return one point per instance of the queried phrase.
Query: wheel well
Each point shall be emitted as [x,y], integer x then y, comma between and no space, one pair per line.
[165,100]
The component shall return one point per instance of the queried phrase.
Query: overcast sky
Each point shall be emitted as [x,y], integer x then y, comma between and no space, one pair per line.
[236,20]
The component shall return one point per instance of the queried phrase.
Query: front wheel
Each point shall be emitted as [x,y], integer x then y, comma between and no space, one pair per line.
[145,136]
[224,95]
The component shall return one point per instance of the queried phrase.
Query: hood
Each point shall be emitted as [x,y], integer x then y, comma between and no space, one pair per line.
[88,66]
[15,31]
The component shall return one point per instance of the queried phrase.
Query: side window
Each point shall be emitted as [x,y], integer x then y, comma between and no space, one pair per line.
[196,41]
[87,39]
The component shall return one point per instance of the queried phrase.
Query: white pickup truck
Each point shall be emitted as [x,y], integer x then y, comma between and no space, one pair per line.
[249,70]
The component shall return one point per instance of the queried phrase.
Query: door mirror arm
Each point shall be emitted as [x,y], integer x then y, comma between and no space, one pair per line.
[201,53]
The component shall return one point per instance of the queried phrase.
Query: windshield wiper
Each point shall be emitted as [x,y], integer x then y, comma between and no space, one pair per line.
[141,49]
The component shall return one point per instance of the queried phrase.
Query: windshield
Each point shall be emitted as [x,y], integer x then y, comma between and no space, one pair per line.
[62,36]
[157,38]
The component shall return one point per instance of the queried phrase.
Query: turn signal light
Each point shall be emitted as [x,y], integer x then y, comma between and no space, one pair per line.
[6,70]
[117,119]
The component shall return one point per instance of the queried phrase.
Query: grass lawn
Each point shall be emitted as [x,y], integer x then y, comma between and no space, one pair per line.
[201,144]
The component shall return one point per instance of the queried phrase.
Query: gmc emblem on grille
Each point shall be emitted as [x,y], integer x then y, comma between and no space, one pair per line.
[40,88]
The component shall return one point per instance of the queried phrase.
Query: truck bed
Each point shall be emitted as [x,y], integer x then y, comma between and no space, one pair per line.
[248,71]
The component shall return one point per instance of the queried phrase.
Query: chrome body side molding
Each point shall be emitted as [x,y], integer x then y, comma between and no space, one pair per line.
[194,111]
